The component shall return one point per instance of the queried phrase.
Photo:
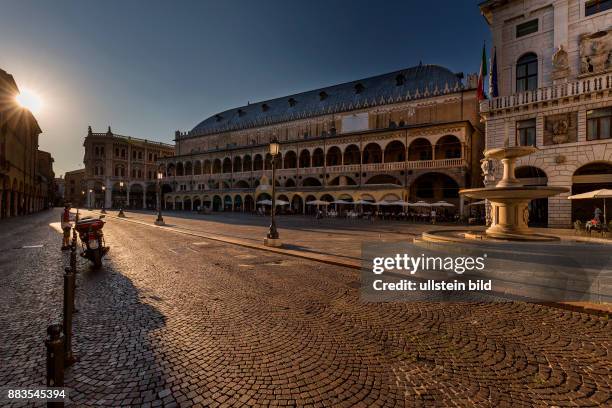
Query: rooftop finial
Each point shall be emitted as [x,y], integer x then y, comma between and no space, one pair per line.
[89,132]
[109,131]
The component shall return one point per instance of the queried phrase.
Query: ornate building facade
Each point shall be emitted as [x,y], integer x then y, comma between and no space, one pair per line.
[121,171]
[24,185]
[411,134]
[554,62]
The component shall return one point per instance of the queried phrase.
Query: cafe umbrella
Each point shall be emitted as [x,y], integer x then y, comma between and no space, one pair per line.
[603,194]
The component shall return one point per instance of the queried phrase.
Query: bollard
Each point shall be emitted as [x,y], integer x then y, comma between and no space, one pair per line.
[55,356]
[68,312]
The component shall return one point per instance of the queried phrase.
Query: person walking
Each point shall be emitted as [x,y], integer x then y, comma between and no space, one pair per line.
[66,227]
[433,215]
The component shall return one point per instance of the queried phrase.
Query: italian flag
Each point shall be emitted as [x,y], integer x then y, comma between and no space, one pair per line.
[481,76]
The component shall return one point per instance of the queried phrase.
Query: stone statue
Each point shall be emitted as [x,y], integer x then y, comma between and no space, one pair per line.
[560,64]
[560,60]
[488,170]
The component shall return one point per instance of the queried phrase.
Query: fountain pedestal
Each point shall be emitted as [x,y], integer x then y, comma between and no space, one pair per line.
[509,199]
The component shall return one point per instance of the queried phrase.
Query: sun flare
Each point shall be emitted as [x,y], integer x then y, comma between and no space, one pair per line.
[29,100]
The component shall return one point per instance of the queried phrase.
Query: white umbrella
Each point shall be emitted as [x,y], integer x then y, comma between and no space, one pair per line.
[281,202]
[481,202]
[317,202]
[420,204]
[265,202]
[396,202]
[442,204]
[342,202]
[363,202]
[603,193]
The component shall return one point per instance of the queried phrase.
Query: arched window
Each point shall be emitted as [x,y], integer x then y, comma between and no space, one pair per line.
[527,73]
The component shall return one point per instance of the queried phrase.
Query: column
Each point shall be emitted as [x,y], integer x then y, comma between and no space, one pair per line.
[144,198]
[108,195]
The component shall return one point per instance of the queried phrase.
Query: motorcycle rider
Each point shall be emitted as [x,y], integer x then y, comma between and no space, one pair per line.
[66,226]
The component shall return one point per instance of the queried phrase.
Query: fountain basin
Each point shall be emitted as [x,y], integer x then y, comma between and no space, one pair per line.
[510,209]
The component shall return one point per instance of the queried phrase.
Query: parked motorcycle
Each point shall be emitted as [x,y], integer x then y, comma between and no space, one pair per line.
[92,239]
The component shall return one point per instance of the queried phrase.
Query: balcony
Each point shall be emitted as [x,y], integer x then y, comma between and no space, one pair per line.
[573,89]
[349,168]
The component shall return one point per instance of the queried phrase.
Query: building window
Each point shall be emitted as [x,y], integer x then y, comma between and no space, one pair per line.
[527,73]
[526,132]
[528,27]
[400,80]
[596,6]
[598,124]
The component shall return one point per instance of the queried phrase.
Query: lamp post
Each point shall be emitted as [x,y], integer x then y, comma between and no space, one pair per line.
[121,214]
[272,239]
[103,199]
[160,219]
[90,198]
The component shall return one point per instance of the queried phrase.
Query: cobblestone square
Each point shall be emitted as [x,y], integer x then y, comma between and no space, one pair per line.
[177,320]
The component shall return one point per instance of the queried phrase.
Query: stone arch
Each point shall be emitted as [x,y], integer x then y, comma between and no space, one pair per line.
[207,167]
[197,203]
[257,162]
[238,203]
[216,167]
[180,169]
[318,158]
[187,204]
[384,179]
[227,165]
[297,203]
[217,203]
[227,202]
[588,177]
[333,156]
[249,203]
[290,160]
[372,153]
[247,163]
[237,164]
[311,182]
[435,186]
[420,149]
[304,158]
[136,193]
[342,181]
[290,183]
[197,168]
[242,184]
[448,147]
[351,155]
[171,170]
[188,169]
[395,151]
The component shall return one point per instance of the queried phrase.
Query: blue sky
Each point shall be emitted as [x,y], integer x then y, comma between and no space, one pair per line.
[148,68]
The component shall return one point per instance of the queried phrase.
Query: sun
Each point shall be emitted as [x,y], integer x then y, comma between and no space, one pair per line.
[29,100]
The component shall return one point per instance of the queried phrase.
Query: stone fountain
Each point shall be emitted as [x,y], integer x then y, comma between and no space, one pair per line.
[509,199]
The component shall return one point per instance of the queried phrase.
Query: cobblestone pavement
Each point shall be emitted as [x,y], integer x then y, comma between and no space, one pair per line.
[342,237]
[175,320]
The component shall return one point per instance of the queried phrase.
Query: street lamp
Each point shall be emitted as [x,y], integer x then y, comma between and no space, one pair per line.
[272,239]
[160,219]
[103,200]
[90,198]
[121,214]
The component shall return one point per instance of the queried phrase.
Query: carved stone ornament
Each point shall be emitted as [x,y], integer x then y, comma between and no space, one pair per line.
[488,169]
[560,159]
[560,63]
[596,52]
[560,128]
